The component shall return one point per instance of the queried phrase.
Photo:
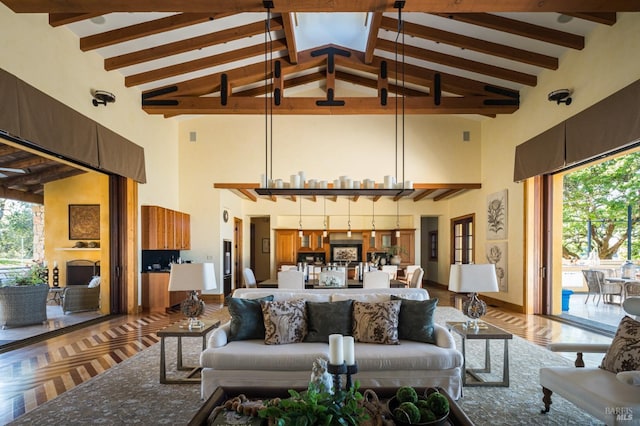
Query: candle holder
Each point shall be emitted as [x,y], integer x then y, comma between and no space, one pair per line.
[336,370]
[351,370]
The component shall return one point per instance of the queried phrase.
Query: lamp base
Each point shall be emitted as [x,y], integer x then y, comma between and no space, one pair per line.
[474,308]
[193,307]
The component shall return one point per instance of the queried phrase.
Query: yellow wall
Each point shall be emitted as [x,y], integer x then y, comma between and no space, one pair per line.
[88,188]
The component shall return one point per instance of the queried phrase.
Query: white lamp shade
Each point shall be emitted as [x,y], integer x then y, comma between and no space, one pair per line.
[473,278]
[192,276]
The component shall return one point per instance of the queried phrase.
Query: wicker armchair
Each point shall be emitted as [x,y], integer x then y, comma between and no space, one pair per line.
[598,286]
[23,305]
[79,298]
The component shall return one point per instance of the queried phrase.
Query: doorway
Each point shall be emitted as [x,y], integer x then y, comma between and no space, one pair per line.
[260,255]
[237,249]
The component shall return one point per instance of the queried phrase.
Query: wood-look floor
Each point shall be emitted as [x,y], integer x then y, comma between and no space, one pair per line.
[35,374]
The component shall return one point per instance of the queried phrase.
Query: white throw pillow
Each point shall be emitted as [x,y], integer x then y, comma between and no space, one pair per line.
[95,282]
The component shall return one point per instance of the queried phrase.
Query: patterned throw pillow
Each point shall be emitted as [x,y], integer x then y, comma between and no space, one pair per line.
[284,321]
[376,322]
[624,352]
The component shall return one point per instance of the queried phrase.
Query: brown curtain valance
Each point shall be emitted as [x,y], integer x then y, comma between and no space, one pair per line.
[9,121]
[607,126]
[120,156]
[542,154]
[43,121]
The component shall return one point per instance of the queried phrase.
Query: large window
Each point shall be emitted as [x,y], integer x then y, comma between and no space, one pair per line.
[462,236]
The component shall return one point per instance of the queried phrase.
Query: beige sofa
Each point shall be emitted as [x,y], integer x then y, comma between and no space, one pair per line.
[254,363]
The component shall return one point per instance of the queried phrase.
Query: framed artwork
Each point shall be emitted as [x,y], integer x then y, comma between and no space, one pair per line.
[433,245]
[84,221]
[497,216]
[497,254]
[266,244]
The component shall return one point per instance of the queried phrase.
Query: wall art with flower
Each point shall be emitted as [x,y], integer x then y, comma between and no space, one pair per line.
[497,216]
[497,254]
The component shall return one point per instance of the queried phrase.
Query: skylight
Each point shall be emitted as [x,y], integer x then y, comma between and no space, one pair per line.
[344,29]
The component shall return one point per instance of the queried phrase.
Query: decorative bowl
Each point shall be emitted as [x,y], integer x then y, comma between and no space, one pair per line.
[393,403]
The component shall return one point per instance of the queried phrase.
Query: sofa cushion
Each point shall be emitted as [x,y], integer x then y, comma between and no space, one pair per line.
[624,352]
[328,318]
[416,320]
[284,321]
[376,322]
[95,282]
[246,318]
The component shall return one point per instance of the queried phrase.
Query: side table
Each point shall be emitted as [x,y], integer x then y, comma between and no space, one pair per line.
[55,295]
[486,332]
[181,330]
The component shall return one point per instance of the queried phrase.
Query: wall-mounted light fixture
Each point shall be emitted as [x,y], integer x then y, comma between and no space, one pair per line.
[561,96]
[102,97]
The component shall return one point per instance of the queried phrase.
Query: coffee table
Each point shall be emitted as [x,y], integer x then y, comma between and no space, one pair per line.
[486,332]
[181,330]
[457,417]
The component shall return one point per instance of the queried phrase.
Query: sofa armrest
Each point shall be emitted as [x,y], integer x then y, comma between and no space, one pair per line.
[598,348]
[629,377]
[444,339]
[220,336]
[579,349]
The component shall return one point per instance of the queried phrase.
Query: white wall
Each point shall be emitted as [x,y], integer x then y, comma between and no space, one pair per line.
[232,149]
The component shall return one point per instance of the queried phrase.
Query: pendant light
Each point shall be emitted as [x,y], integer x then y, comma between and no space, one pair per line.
[398,219]
[300,233]
[373,219]
[324,216]
[349,219]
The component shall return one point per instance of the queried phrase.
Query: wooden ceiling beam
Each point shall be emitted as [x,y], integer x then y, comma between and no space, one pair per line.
[194,43]
[447,194]
[237,76]
[474,44]
[460,63]
[299,105]
[281,6]
[288,84]
[373,84]
[14,194]
[524,29]
[290,37]
[423,194]
[202,63]
[59,19]
[144,29]
[372,38]
[609,18]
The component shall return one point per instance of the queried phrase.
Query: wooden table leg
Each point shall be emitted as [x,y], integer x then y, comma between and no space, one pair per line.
[163,366]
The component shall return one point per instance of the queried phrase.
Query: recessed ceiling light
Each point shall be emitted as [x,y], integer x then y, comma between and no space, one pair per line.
[98,20]
[563,19]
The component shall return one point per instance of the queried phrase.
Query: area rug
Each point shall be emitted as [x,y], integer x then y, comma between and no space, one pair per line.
[130,392]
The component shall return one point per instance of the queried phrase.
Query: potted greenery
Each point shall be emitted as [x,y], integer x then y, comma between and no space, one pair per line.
[316,407]
[33,276]
[395,251]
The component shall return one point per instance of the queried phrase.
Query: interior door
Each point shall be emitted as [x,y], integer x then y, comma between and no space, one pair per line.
[237,249]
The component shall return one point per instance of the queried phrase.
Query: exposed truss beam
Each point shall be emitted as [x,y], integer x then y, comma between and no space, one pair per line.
[281,6]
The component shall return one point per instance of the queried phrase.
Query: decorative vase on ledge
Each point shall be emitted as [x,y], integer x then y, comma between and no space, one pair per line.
[396,260]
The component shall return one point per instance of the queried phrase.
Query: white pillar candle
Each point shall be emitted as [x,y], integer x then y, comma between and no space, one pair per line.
[336,353]
[349,351]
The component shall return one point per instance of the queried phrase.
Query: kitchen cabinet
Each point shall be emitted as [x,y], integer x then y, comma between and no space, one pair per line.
[312,240]
[406,240]
[182,230]
[165,229]
[286,247]
[156,296]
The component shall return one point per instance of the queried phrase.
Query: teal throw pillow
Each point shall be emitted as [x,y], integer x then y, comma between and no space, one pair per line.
[247,322]
[416,320]
[325,318]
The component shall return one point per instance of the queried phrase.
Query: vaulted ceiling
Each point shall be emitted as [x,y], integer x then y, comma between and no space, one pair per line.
[219,57]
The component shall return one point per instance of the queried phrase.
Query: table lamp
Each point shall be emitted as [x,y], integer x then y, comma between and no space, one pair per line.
[192,277]
[473,278]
